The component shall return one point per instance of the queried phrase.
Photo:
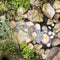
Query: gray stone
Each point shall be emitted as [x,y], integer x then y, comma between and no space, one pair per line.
[56,41]
[48,10]
[52,53]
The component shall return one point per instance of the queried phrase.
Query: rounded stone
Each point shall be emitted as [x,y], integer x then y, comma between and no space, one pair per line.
[34,34]
[37,26]
[31,29]
[45,38]
[44,28]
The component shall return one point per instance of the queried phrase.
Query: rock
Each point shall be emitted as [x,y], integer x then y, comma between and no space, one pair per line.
[23,36]
[51,37]
[45,38]
[44,56]
[48,10]
[56,41]
[29,23]
[50,33]
[34,16]
[12,24]
[52,53]
[34,2]
[31,45]
[48,44]
[49,22]
[37,26]
[56,17]
[47,51]
[34,35]
[57,57]
[44,28]
[41,51]
[53,25]
[58,11]
[49,27]
[57,27]
[58,34]
[56,5]
[31,29]
[37,47]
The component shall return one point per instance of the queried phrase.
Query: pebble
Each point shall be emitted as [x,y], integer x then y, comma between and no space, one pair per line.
[31,45]
[53,25]
[56,5]
[48,44]
[56,41]
[30,23]
[49,27]
[48,10]
[41,51]
[37,46]
[44,28]
[49,33]
[56,16]
[31,29]
[37,26]
[49,22]
[45,38]
[58,34]
[56,27]
[51,37]
[34,34]
[58,11]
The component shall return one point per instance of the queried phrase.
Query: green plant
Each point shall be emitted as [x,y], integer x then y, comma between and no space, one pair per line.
[20,3]
[7,47]
[2,7]
[27,53]
[5,29]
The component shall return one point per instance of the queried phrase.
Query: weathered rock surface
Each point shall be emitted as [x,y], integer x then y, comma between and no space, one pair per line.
[52,53]
[56,5]
[57,27]
[49,22]
[48,10]
[56,42]
[34,16]
[23,36]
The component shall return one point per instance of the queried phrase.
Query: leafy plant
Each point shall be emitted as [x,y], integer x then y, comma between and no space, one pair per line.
[5,29]
[7,47]
[20,3]
[27,53]
[2,7]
